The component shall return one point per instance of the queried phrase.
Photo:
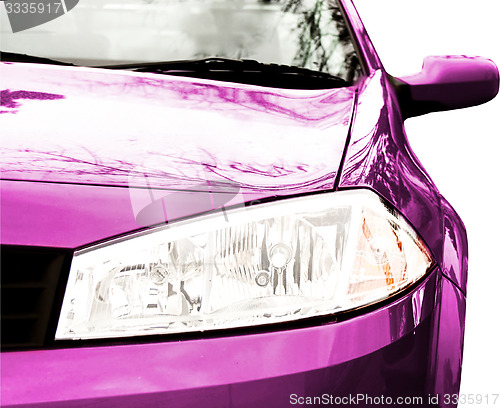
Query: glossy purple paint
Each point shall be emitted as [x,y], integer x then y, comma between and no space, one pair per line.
[448,82]
[447,347]
[193,129]
[73,214]
[80,191]
[455,249]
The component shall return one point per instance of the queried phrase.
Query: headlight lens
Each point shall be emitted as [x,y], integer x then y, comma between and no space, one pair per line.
[282,261]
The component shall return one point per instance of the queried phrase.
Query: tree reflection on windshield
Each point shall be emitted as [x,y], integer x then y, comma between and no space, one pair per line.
[316,43]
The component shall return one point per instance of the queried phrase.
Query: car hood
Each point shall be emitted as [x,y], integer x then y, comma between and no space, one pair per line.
[91,153]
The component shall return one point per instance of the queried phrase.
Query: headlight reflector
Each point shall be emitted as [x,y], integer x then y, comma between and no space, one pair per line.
[275,262]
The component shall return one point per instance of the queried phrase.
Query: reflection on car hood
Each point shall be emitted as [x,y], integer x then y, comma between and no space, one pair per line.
[73,138]
[92,126]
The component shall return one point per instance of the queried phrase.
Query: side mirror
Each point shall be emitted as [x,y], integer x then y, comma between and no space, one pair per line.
[445,83]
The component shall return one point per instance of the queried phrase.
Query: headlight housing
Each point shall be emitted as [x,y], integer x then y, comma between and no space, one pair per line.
[268,263]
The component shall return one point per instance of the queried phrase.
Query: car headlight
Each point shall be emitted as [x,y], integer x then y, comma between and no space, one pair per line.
[268,263]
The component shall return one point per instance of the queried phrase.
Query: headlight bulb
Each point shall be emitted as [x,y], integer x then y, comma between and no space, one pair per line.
[280,255]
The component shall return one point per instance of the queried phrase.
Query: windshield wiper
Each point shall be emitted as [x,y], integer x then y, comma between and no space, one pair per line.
[222,69]
[242,71]
[15,57]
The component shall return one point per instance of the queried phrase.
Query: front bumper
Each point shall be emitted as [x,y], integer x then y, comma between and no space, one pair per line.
[393,351]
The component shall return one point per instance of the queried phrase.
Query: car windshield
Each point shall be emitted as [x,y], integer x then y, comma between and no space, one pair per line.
[304,33]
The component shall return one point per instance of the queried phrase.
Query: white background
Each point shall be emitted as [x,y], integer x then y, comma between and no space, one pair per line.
[459,149]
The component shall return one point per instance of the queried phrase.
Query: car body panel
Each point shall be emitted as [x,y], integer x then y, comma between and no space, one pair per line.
[445,365]
[455,247]
[75,215]
[172,132]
